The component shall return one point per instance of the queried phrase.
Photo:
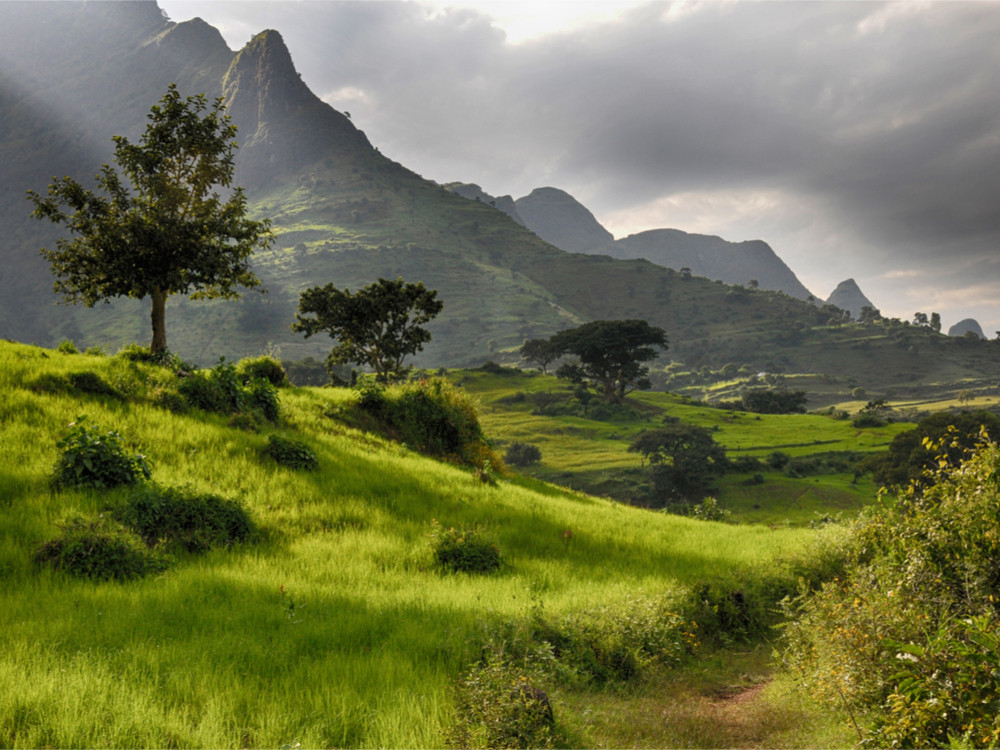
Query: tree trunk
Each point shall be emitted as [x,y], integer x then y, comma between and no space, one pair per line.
[158,317]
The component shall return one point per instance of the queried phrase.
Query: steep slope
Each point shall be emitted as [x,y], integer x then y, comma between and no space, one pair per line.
[475,193]
[968,325]
[848,296]
[557,217]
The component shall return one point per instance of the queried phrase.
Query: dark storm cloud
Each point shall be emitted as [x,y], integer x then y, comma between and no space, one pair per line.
[873,128]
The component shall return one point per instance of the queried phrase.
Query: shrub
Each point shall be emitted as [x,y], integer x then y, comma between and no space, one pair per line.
[137,353]
[184,518]
[432,417]
[92,459]
[262,395]
[222,391]
[709,510]
[907,637]
[66,346]
[97,550]
[499,705]
[265,367]
[290,453]
[522,454]
[463,550]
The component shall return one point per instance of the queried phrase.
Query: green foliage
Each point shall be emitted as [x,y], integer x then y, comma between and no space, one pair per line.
[162,358]
[221,390]
[916,456]
[67,346]
[163,230]
[292,454]
[683,460]
[100,551]
[379,325]
[431,416]
[264,367]
[611,354]
[184,518]
[907,637]
[709,510]
[774,401]
[91,458]
[466,550]
[539,351]
[522,454]
[499,705]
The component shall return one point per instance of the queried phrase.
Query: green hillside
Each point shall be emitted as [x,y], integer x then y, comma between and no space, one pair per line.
[332,626]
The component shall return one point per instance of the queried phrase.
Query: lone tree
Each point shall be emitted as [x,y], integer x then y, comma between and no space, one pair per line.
[611,354]
[683,458]
[539,351]
[379,325]
[165,232]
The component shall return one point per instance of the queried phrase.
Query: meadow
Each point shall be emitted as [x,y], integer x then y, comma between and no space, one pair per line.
[334,627]
[591,452]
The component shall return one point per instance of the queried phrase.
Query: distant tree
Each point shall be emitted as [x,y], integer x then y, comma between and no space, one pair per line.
[685,273]
[936,322]
[164,231]
[753,284]
[683,460]
[539,351]
[869,314]
[379,325]
[920,319]
[611,354]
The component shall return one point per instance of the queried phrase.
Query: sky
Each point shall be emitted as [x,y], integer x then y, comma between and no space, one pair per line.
[859,139]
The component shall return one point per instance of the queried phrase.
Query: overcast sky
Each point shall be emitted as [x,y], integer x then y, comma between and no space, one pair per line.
[858,139]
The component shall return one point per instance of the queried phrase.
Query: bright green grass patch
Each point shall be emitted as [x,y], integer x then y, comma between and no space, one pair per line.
[336,629]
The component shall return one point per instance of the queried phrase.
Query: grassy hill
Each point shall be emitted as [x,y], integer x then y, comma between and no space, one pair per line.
[333,626]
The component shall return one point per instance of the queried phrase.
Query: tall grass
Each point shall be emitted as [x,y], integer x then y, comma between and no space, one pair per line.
[337,629]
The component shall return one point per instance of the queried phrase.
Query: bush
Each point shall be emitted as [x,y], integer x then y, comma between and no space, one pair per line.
[290,453]
[99,551]
[499,706]
[265,367]
[432,417]
[137,353]
[463,550]
[262,395]
[522,454]
[92,459]
[221,390]
[907,637]
[709,510]
[184,518]
[66,346]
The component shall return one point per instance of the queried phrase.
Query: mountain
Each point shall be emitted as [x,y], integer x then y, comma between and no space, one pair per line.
[74,74]
[848,296]
[713,257]
[968,325]
[557,217]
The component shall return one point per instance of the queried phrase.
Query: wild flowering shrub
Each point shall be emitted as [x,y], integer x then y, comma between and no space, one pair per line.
[907,639]
[91,458]
[499,705]
[290,453]
[463,550]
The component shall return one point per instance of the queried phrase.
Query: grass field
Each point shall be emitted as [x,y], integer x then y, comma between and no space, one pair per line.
[335,629]
[591,454]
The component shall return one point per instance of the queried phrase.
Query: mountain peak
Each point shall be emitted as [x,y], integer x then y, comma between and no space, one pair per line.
[848,296]
[560,219]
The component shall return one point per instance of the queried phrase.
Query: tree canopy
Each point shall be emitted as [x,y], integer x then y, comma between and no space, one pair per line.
[611,354]
[684,458]
[163,229]
[379,325]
